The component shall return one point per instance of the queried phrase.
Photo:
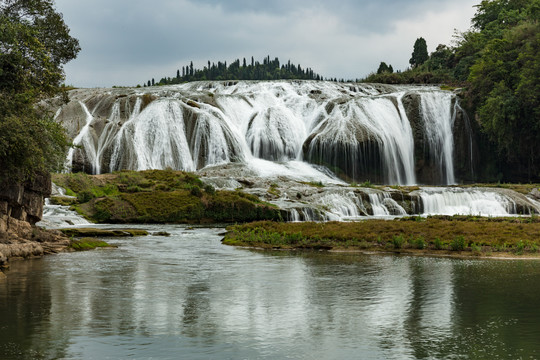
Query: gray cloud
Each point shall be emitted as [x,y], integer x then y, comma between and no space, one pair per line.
[125,42]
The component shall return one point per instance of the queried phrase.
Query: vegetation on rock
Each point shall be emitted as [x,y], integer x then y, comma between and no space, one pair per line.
[92,232]
[88,244]
[160,196]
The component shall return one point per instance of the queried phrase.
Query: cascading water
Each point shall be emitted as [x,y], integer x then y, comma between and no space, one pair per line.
[439,117]
[361,132]
[451,201]
[84,139]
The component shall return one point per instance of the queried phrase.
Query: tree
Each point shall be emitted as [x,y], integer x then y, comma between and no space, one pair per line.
[35,44]
[420,53]
[505,82]
[384,68]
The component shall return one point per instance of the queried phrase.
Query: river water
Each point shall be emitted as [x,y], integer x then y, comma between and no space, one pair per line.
[188,296]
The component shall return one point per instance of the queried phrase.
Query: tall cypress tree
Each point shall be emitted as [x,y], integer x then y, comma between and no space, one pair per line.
[420,53]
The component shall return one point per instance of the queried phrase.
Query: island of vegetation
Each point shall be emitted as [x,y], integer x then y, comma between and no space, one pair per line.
[434,235]
[158,196]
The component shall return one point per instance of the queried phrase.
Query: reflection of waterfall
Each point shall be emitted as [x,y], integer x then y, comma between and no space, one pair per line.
[360,132]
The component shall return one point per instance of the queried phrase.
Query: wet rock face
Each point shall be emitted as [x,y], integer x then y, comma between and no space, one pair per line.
[21,206]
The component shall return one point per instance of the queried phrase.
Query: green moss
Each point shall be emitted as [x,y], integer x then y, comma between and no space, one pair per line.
[158,206]
[161,196]
[91,232]
[88,244]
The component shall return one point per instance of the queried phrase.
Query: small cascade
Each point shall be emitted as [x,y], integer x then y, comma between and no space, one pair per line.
[59,216]
[342,206]
[456,201]
[294,216]
[377,206]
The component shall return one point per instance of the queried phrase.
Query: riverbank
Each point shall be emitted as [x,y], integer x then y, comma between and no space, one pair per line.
[437,235]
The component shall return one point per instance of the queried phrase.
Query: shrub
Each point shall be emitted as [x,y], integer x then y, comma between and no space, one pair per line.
[196,191]
[458,244]
[398,241]
[85,196]
[437,243]
[209,189]
[520,246]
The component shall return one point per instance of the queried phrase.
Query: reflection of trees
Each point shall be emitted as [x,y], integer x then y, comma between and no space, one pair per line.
[497,311]
[25,303]
[197,319]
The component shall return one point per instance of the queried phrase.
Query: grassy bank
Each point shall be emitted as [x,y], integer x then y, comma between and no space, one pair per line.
[440,234]
[158,196]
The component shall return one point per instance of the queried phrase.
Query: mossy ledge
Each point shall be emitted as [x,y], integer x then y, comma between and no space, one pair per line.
[160,196]
[87,243]
[438,235]
[90,232]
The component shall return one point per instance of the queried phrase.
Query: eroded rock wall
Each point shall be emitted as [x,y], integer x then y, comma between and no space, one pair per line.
[21,206]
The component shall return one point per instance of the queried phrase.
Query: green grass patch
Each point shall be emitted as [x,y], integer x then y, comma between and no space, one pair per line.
[444,234]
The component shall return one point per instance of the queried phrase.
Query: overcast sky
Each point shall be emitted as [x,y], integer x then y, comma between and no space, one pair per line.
[127,42]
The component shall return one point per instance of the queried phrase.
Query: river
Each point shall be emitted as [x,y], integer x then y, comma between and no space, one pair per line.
[188,296]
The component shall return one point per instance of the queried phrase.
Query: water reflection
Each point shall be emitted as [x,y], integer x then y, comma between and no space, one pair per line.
[158,297]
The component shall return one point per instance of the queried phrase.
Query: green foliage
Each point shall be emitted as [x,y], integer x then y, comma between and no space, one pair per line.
[420,243]
[160,196]
[384,68]
[35,44]
[458,244]
[505,85]
[267,70]
[87,244]
[398,241]
[437,243]
[485,234]
[420,53]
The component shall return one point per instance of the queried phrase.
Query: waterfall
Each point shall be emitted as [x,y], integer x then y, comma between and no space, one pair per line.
[453,201]
[439,115]
[59,216]
[360,132]
[85,140]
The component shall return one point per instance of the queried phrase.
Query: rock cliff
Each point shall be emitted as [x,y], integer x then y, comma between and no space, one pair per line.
[21,206]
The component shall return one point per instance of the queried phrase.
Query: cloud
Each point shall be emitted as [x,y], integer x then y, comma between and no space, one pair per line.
[126,42]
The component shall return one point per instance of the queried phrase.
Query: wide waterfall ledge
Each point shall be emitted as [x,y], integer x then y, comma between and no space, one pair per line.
[399,135]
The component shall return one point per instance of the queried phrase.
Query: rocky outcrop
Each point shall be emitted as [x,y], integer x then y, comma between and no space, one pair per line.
[21,206]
